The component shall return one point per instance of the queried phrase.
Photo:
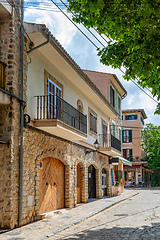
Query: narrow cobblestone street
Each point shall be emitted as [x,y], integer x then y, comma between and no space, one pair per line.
[135,214]
[136,218]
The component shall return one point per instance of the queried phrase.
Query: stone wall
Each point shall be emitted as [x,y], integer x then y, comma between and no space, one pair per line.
[39,145]
[10,121]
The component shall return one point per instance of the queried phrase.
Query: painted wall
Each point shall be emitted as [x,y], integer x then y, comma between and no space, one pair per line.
[136,126]
[71,94]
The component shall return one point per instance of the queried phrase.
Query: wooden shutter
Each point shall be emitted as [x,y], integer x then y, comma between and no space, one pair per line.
[130,135]
[120,135]
[114,130]
[119,105]
[130,154]
[123,136]
[126,117]
[111,96]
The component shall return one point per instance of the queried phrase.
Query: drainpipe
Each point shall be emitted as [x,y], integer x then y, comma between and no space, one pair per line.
[22,123]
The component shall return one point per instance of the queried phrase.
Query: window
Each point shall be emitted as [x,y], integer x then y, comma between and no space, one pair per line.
[130,117]
[93,123]
[112,96]
[119,105]
[2,75]
[54,100]
[122,117]
[127,154]
[126,136]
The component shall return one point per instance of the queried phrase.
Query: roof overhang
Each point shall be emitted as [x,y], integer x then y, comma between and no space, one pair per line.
[5,8]
[134,111]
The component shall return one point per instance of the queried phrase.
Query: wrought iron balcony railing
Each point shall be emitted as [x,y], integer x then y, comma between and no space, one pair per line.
[108,140]
[54,107]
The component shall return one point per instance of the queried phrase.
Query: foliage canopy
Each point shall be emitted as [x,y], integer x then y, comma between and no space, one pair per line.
[151,145]
[134,29]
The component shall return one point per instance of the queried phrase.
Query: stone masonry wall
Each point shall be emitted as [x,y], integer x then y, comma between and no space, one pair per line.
[10,121]
[39,145]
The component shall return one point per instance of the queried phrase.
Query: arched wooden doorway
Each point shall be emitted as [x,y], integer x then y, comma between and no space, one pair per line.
[91,182]
[104,182]
[51,185]
[79,183]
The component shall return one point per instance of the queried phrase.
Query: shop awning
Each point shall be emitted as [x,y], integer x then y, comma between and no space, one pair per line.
[115,161]
[133,166]
[125,161]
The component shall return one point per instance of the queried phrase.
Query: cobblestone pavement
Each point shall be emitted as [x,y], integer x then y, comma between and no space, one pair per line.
[119,217]
[136,218]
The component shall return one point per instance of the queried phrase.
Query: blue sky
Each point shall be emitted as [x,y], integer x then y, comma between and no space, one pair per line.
[84,53]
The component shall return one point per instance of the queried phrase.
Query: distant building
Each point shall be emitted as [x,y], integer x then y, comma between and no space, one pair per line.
[132,125]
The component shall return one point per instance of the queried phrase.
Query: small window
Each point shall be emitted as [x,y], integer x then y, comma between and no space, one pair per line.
[127,154]
[126,136]
[2,75]
[93,123]
[130,117]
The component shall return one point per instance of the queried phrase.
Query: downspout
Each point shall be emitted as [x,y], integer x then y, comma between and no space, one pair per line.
[22,123]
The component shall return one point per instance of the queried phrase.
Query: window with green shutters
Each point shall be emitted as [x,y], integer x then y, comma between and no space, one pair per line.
[112,96]
[130,117]
[119,105]
[126,136]
[128,154]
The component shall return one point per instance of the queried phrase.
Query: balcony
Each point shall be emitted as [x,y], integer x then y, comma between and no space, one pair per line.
[109,145]
[54,115]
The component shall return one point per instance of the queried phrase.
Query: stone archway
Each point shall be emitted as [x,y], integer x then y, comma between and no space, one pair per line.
[79,183]
[104,182]
[91,182]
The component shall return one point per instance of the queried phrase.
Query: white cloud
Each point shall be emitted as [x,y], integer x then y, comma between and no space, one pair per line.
[85,54]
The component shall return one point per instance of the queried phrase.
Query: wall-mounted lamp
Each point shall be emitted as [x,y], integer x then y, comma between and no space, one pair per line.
[96,145]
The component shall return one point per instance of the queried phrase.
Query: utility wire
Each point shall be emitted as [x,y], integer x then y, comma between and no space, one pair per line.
[74,24]
[104,46]
[88,39]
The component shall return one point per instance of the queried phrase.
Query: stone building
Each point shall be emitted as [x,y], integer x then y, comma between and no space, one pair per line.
[66,114]
[9,113]
[132,125]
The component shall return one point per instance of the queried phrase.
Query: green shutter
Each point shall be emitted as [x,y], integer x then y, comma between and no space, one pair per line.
[123,136]
[135,116]
[120,136]
[114,130]
[119,105]
[130,154]
[126,117]
[111,97]
[130,135]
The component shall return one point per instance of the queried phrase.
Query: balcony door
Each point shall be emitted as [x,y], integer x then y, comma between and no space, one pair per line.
[54,100]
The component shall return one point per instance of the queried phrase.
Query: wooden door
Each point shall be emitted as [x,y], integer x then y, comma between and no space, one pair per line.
[79,184]
[91,182]
[51,186]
